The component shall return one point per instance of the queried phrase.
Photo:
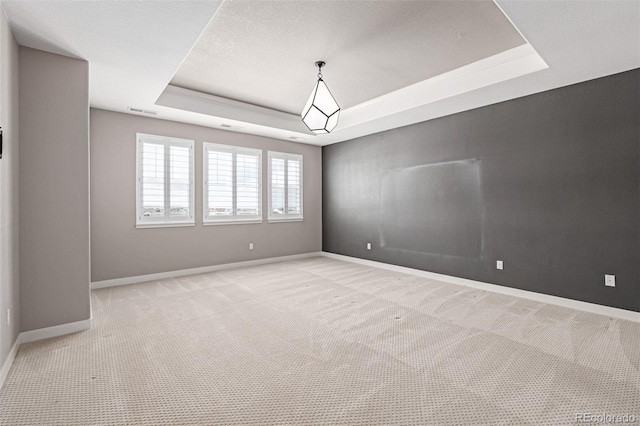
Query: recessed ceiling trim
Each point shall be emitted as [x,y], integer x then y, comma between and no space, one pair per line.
[503,66]
[204,103]
[495,69]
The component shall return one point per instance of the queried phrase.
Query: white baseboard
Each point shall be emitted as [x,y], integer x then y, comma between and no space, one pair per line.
[55,331]
[59,330]
[538,297]
[193,271]
[6,365]
[40,334]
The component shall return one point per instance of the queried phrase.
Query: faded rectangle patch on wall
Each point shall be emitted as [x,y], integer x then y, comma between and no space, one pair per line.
[433,208]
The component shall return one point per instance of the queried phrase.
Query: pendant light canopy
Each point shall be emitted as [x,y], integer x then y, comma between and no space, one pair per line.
[321,112]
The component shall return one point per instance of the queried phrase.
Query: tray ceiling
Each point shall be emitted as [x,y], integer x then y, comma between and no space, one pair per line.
[389,64]
[263,53]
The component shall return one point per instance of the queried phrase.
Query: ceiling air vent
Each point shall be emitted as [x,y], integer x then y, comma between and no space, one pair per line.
[230,126]
[142,111]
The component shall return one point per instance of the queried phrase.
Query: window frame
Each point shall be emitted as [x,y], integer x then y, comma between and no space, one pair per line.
[286,157]
[166,221]
[234,219]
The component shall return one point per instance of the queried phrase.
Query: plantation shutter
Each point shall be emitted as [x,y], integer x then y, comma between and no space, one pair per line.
[285,186]
[233,184]
[164,189]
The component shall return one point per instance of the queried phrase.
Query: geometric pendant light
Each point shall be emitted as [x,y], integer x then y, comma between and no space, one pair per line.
[321,112]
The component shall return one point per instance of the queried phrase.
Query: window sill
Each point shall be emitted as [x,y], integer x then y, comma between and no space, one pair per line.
[286,219]
[165,225]
[232,222]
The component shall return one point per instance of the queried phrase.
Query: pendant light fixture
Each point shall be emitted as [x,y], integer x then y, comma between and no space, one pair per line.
[321,112]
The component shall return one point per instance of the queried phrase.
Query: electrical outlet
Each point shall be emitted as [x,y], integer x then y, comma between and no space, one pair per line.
[610,280]
[499,265]
[368,246]
[250,246]
[9,316]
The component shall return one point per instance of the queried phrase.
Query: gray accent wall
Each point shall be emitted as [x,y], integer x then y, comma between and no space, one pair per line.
[548,183]
[54,190]
[119,249]
[9,290]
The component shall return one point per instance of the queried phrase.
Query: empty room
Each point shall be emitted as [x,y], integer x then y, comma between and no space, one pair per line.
[319,212]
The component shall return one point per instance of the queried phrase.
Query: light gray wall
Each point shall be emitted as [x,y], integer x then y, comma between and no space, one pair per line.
[9,290]
[119,249]
[54,190]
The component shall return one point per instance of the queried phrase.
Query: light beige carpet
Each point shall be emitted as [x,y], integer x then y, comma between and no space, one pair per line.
[323,341]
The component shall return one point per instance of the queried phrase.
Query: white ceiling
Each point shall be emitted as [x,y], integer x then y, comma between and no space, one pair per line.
[263,53]
[135,48]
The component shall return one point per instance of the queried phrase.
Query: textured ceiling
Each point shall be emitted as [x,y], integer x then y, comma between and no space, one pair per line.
[134,49]
[263,52]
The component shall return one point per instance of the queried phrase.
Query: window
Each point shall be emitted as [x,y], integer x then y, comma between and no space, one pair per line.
[232,184]
[164,190]
[285,186]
